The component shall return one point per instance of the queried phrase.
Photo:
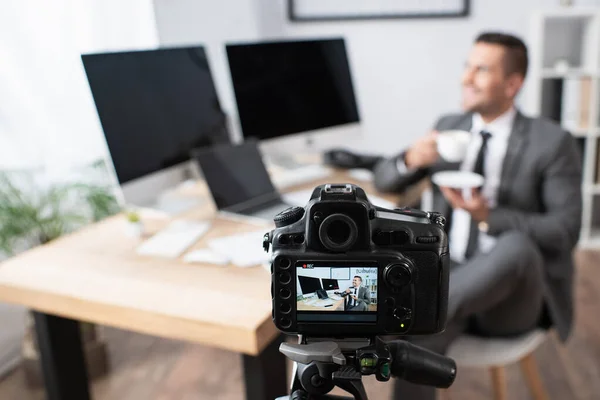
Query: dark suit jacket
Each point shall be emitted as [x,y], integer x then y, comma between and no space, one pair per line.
[364,299]
[539,194]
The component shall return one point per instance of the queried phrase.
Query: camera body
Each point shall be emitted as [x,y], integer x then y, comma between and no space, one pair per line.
[383,272]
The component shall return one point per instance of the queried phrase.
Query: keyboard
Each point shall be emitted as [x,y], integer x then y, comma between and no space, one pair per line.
[242,250]
[301,175]
[173,240]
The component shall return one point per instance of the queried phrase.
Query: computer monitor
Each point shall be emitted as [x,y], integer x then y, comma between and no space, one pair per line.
[330,284]
[309,284]
[155,106]
[293,87]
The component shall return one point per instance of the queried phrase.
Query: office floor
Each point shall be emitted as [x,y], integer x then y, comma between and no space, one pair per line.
[145,367]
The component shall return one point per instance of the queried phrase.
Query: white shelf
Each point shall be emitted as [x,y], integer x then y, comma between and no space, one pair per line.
[592,189]
[569,12]
[582,133]
[591,242]
[571,35]
[551,73]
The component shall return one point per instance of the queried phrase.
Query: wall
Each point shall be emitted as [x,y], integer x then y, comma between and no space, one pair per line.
[406,72]
[47,115]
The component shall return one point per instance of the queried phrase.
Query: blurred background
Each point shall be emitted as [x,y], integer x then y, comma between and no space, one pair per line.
[405,73]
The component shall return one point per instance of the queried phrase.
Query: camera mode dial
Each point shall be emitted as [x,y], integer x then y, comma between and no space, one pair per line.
[288,216]
[398,274]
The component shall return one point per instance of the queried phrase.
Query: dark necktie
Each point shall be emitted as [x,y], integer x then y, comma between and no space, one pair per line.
[478,169]
[354,301]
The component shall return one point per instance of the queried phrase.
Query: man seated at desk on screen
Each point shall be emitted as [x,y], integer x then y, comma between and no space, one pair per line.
[510,240]
[359,297]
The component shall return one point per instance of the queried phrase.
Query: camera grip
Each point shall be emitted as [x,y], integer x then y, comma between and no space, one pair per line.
[421,366]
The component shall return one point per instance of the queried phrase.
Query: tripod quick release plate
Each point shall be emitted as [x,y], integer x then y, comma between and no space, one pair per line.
[327,352]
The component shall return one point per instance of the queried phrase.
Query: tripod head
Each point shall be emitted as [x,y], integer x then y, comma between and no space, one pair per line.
[321,364]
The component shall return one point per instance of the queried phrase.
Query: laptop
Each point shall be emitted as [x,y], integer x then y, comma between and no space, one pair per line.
[238,180]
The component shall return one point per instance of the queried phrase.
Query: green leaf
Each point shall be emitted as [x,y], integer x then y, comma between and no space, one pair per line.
[26,213]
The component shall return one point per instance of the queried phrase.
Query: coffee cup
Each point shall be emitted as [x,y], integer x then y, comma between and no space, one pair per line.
[452,145]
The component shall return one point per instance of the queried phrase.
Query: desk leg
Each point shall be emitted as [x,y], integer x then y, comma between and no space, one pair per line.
[62,358]
[265,375]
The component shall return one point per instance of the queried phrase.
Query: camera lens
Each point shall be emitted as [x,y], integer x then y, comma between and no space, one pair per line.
[338,232]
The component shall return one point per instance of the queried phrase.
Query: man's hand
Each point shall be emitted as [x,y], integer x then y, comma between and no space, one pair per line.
[476,205]
[423,153]
[354,297]
[347,290]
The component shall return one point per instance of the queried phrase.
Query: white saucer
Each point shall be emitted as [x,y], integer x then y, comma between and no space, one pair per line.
[458,179]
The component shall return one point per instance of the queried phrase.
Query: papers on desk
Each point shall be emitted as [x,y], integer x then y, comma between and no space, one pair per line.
[316,302]
[242,250]
[301,197]
[174,239]
[205,256]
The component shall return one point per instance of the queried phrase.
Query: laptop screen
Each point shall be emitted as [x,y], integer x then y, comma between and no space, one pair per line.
[235,174]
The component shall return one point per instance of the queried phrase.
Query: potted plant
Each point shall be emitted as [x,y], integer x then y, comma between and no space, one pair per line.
[31,215]
[135,227]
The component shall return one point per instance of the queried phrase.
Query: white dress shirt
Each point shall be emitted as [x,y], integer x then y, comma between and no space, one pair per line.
[500,128]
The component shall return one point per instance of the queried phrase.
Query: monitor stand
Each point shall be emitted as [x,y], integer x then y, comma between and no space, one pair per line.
[167,191]
[284,161]
[173,204]
[305,154]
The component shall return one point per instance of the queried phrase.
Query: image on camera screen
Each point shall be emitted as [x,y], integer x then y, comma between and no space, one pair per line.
[348,290]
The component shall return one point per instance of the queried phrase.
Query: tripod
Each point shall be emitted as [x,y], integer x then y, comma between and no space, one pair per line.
[320,364]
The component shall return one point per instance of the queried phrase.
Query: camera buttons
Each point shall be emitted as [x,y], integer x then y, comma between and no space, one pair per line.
[398,275]
[318,217]
[402,313]
[284,277]
[288,216]
[285,308]
[285,293]
[285,322]
[427,239]
[284,263]
[298,239]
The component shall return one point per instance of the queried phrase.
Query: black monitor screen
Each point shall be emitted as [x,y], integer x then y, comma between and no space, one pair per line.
[154,106]
[330,284]
[290,87]
[309,284]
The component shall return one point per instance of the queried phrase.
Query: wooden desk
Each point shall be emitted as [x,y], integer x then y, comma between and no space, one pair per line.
[303,306]
[95,275]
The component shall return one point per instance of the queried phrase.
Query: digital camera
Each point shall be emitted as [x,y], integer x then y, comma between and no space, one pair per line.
[343,267]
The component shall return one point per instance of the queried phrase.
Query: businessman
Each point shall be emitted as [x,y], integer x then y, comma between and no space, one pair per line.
[511,240]
[359,297]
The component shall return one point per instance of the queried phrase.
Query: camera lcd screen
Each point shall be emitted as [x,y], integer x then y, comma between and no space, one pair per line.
[336,293]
